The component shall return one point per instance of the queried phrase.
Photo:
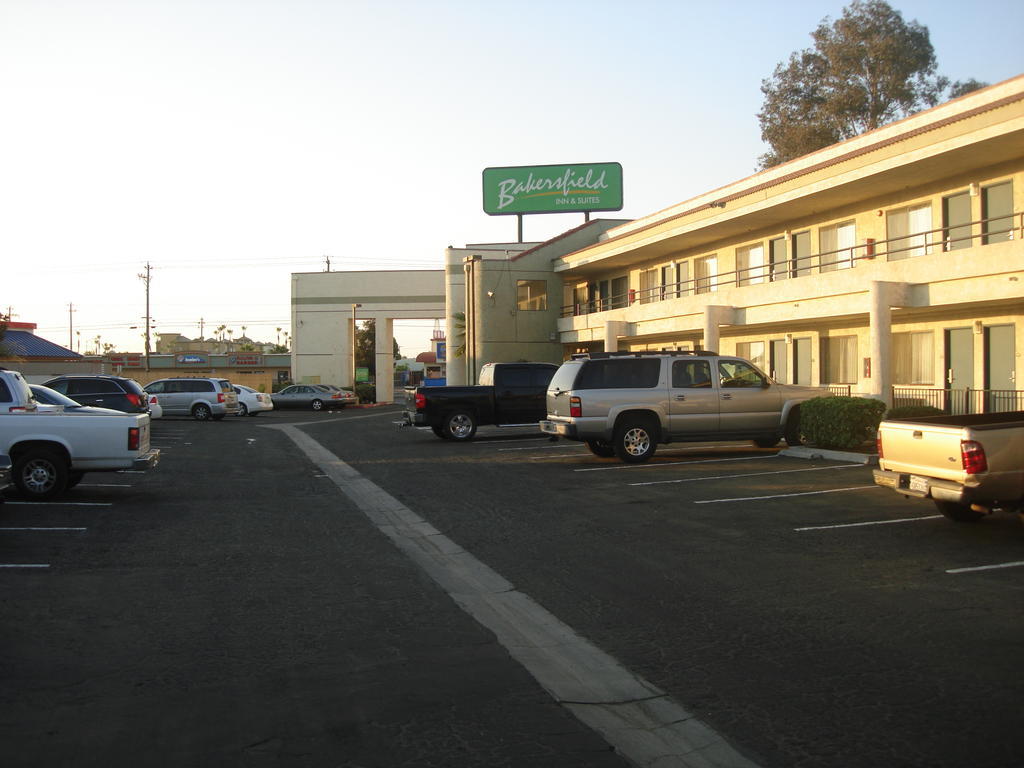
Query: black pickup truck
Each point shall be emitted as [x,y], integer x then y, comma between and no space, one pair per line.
[509,394]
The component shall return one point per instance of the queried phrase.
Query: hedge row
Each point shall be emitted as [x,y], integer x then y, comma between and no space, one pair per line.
[840,422]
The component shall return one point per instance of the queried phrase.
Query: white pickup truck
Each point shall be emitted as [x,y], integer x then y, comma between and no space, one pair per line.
[968,465]
[52,447]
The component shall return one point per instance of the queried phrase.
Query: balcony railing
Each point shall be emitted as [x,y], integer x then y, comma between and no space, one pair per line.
[960,401]
[950,238]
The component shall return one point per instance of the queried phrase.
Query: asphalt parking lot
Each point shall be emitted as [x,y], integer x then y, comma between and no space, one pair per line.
[240,604]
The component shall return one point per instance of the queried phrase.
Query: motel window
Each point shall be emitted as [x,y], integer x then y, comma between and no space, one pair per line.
[836,246]
[801,254]
[669,281]
[531,295]
[705,271]
[909,232]
[956,221]
[997,213]
[913,358]
[778,259]
[750,266]
[752,351]
[839,360]
[649,286]
[620,292]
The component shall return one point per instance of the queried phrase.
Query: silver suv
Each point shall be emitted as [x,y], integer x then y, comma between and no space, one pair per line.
[625,403]
[202,399]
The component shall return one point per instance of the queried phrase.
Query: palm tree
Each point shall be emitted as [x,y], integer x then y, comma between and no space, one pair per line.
[278,336]
[459,327]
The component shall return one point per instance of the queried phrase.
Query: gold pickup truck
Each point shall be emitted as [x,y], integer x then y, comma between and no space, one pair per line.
[970,466]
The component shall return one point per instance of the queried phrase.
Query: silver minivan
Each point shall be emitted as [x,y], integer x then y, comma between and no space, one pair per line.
[200,398]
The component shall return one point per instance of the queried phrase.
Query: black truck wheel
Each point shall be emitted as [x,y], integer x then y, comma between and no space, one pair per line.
[439,431]
[601,448]
[41,474]
[459,425]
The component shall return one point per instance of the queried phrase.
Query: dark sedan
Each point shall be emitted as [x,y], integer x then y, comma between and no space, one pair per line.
[311,396]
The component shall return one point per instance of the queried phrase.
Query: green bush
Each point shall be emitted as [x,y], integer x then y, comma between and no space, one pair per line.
[912,411]
[367,393]
[840,422]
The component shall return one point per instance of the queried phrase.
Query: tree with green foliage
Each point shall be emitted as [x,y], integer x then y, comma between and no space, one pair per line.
[867,68]
[366,347]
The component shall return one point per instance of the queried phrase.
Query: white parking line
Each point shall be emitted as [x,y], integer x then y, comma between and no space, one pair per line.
[533,447]
[43,529]
[787,495]
[62,503]
[25,565]
[1015,564]
[676,463]
[104,485]
[872,522]
[749,474]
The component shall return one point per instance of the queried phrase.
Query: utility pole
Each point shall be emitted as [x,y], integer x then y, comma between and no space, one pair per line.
[328,260]
[202,334]
[146,278]
[71,336]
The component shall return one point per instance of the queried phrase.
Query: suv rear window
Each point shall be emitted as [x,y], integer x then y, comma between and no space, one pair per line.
[92,387]
[225,385]
[628,373]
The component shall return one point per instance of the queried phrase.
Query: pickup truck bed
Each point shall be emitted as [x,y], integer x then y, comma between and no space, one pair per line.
[968,465]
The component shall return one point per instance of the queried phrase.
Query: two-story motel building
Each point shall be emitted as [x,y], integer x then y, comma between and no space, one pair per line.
[892,260]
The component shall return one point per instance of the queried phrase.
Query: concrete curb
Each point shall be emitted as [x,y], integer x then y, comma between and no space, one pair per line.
[810,452]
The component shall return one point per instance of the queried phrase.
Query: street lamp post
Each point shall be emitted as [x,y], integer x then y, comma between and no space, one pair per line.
[354,306]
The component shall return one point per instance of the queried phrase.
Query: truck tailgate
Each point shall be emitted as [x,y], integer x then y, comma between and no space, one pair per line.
[924,449]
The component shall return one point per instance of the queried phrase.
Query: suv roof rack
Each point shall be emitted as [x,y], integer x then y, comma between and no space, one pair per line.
[669,352]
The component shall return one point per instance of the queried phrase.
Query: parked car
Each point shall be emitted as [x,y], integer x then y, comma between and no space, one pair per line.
[115,392]
[625,403]
[508,395]
[350,397]
[156,411]
[200,398]
[48,398]
[252,402]
[969,465]
[315,396]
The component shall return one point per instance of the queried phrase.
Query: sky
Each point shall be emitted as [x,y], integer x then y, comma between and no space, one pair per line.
[230,143]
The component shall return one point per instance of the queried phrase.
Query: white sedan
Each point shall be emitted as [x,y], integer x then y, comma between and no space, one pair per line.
[156,411]
[251,402]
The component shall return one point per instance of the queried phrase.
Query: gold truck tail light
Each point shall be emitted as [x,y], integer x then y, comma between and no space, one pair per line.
[878,444]
[972,453]
[575,407]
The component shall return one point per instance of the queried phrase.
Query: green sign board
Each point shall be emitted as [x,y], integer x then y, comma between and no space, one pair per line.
[553,188]
[362,375]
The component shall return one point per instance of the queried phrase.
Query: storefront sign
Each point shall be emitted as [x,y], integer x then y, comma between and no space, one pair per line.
[362,375]
[553,188]
[128,360]
[245,359]
[193,360]
[440,351]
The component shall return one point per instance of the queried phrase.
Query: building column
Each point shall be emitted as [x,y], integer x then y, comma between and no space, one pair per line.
[714,316]
[612,330]
[384,345]
[882,297]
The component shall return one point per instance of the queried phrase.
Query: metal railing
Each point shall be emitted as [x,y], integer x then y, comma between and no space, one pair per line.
[943,239]
[960,401]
